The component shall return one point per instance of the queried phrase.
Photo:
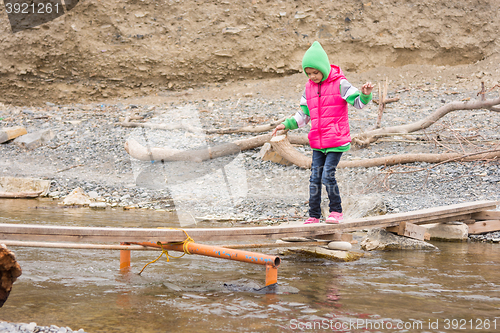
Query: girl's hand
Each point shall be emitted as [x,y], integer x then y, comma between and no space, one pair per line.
[278,128]
[367,88]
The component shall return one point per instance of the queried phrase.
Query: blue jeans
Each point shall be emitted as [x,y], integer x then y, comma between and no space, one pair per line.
[323,171]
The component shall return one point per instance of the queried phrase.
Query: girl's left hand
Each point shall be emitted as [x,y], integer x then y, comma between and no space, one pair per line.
[367,88]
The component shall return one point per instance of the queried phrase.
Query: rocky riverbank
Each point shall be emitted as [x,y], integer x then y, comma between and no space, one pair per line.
[87,151]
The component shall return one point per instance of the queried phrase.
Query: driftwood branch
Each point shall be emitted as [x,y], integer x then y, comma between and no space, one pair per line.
[140,152]
[167,127]
[230,130]
[364,139]
[382,97]
[283,147]
[247,129]
[428,158]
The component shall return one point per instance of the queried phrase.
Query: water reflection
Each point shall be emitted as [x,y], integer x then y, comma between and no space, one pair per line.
[85,288]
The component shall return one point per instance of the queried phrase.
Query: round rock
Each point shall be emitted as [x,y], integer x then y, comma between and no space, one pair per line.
[342,246]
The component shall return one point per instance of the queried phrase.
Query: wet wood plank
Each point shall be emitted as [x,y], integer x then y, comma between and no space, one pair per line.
[482,227]
[105,234]
[9,133]
[410,230]
[486,215]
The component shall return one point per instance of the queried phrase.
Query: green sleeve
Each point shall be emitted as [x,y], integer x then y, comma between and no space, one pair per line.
[290,123]
[305,109]
[365,99]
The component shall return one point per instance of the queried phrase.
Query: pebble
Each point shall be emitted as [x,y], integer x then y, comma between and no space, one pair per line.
[492,237]
[6,327]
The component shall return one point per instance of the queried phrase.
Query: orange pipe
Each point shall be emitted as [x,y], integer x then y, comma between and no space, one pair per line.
[271,275]
[124,257]
[219,252]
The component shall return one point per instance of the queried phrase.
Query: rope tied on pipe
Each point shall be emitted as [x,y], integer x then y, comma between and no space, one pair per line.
[184,243]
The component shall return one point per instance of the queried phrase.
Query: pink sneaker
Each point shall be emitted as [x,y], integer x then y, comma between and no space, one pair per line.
[311,220]
[335,218]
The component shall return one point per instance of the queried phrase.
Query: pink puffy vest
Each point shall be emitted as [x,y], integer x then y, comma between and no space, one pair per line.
[328,112]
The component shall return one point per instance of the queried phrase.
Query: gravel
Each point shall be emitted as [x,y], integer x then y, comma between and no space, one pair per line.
[6,327]
[88,152]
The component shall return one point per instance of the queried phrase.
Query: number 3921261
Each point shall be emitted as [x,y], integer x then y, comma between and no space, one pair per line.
[32,8]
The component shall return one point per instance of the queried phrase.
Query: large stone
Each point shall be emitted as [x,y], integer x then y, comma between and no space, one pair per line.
[77,197]
[340,246]
[380,239]
[25,185]
[322,252]
[35,139]
[98,205]
[449,232]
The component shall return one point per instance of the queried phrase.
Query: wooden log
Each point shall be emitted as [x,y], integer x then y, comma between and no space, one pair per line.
[138,151]
[9,133]
[410,158]
[486,215]
[9,272]
[410,230]
[482,227]
[248,129]
[267,153]
[282,146]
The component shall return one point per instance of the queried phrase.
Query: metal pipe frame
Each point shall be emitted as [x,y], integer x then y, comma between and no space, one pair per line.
[271,262]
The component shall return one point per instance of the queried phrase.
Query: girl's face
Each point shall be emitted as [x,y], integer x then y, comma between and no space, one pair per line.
[315,75]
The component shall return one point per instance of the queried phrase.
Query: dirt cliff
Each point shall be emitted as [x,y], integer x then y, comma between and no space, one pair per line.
[120,48]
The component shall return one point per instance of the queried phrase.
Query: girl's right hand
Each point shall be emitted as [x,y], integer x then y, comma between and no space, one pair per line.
[278,128]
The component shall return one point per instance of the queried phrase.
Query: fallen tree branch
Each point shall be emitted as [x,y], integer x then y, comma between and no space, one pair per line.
[364,139]
[247,129]
[428,158]
[386,101]
[382,95]
[140,152]
[166,127]
[283,147]
[189,128]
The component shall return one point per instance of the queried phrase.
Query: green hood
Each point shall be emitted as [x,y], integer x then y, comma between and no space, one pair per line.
[316,57]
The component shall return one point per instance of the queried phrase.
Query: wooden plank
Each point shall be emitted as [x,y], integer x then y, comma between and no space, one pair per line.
[481,227]
[410,230]
[9,133]
[100,234]
[486,215]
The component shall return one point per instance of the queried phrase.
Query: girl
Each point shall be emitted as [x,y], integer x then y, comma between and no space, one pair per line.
[324,103]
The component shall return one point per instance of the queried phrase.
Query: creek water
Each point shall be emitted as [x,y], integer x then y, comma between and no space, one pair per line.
[455,289]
